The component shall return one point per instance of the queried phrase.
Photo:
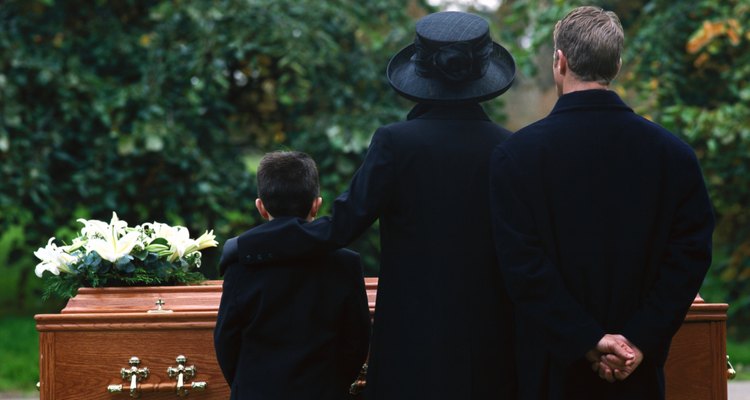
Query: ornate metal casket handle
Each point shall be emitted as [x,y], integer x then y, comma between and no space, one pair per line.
[183,373]
[134,374]
[731,373]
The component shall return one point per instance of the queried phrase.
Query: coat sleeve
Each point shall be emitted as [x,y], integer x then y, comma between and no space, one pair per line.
[228,330]
[356,326]
[683,267]
[533,282]
[352,212]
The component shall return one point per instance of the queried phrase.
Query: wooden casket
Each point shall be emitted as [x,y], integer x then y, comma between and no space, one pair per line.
[696,368]
[111,343]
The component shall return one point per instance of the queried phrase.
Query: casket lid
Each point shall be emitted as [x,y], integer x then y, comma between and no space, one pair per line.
[140,299]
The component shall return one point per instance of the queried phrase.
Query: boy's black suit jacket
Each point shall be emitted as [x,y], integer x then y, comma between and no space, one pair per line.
[603,225]
[443,324]
[292,330]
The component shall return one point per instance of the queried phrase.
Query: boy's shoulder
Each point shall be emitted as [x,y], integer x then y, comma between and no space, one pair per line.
[229,255]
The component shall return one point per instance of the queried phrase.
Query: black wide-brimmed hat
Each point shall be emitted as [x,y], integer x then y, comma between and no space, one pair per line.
[453,60]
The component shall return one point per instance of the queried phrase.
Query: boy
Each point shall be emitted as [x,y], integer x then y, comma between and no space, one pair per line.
[297,329]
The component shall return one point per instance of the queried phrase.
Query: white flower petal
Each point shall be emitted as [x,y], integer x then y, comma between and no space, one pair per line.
[53,259]
[44,266]
[102,247]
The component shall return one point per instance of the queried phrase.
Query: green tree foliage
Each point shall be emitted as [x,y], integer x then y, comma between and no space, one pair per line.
[694,80]
[153,108]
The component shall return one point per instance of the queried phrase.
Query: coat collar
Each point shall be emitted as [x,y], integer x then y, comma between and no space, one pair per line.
[465,111]
[244,248]
[595,99]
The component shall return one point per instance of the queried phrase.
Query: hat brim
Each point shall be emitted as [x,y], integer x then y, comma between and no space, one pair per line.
[403,78]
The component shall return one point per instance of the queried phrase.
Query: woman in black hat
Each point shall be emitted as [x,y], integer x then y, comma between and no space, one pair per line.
[443,325]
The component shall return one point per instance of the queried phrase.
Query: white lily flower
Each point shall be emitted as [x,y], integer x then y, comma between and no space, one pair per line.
[207,239]
[54,259]
[95,228]
[112,247]
[143,245]
[77,244]
[158,230]
[111,241]
[179,242]
[178,238]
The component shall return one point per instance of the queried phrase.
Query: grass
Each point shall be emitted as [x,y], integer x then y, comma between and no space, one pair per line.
[739,356]
[19,354]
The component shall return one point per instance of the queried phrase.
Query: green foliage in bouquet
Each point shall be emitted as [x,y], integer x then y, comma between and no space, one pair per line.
[113,254]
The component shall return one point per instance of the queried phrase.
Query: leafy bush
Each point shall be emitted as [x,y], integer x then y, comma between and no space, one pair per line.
[694,80]
[153,109]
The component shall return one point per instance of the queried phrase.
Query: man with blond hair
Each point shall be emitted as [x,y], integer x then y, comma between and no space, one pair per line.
[602,228]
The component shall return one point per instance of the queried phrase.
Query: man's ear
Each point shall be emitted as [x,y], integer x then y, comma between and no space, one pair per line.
[561,62]
[315,207]
[262,209]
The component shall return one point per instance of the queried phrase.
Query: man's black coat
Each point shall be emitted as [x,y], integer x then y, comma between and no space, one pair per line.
[292,330]
[602,225]
[443,324]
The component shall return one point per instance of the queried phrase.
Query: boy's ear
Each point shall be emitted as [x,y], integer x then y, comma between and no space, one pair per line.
[262,209]
[315,206]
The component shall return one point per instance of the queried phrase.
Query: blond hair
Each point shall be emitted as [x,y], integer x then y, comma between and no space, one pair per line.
[592,40]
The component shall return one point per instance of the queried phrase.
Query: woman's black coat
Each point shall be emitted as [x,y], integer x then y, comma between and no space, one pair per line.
[443,324]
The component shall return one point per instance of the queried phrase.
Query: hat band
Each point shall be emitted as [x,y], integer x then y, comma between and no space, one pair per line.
[455,62]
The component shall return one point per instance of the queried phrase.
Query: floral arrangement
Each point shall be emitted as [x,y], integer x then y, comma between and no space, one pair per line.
[113,254]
